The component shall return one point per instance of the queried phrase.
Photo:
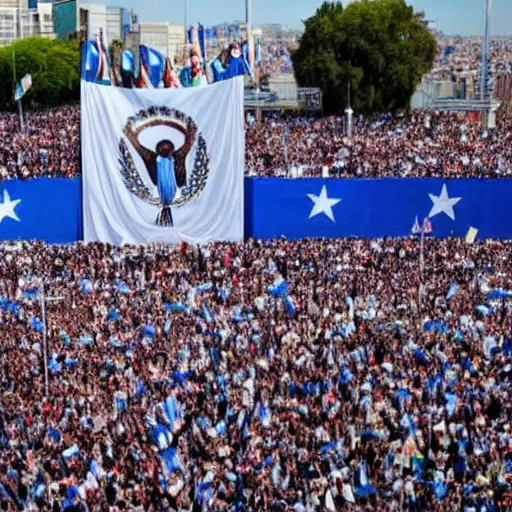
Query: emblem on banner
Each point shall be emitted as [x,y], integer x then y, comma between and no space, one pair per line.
[166,165]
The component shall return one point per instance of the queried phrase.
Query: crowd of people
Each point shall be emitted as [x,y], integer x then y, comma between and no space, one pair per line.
[416,145]
[304,376]
[49,146]
[463,55]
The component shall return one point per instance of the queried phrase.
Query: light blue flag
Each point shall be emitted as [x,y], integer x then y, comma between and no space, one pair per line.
[207,314]
[85,286]
[127,62]
[205,287]
[485,310]
[171,410]
[350,304]
[290,306]
[451,403]
[175,307]
[237,314]
[71,451]
[124,288]
[454,288]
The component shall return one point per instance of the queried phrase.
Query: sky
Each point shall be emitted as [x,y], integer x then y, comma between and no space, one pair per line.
[464,17]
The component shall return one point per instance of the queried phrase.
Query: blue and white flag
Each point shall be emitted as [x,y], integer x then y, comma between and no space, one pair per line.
[127,68]
[499,294]
[205,287]
[279,288]
[124,288]
[188,161]
[350,303]
[86,286]
[71,451]
[454,288]
[153,62]
[90,61]
[207,314]
[290,306]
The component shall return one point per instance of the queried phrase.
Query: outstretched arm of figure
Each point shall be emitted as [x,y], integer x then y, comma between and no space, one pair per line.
[190,137]
[181,154]
[133,136]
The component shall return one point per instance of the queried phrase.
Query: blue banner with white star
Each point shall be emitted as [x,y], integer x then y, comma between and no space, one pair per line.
[41,209]
[315,207]
[50,209]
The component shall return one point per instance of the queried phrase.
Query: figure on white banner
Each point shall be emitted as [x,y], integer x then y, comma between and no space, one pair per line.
[161,166]
[166,165]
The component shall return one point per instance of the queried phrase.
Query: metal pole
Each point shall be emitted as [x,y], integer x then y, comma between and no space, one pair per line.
[14,80]
[186,23]
[42,298]
[20,112]
[420,287]
[485,50]
[250,39]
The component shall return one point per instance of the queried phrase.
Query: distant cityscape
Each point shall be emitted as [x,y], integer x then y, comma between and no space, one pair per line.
[83,20]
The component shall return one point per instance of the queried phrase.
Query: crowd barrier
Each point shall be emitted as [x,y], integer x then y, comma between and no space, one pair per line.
[50,209]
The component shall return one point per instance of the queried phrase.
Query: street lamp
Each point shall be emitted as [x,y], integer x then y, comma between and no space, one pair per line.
[43,299]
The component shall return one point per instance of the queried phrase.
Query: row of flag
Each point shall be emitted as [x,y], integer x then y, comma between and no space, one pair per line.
[154,70]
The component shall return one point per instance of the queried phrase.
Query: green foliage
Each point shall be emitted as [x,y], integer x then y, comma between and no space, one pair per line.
[377,49]
[54,66]
[116,48]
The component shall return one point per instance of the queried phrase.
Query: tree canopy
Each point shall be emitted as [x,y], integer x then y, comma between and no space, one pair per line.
[54,66]
[376,49]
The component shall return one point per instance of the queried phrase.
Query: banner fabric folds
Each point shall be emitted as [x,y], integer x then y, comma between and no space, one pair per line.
[163,165]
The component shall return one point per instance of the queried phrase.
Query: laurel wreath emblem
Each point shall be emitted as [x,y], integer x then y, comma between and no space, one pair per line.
[131,177]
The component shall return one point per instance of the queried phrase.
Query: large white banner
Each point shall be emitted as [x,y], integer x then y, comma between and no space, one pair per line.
[163,165]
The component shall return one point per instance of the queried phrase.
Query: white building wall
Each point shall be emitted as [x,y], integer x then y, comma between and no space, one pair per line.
[115,23]
[17,23]
[176,40]
[154,34]
[97,20]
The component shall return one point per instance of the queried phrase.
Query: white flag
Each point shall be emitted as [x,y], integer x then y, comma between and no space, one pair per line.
[163,165]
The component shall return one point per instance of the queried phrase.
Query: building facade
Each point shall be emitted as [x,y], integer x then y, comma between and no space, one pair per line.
[164,37]
[17,22]
[89,20]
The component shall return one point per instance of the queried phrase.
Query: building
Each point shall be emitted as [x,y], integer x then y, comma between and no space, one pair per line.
[176,40]
[162,36]
[17,22]
[89,20]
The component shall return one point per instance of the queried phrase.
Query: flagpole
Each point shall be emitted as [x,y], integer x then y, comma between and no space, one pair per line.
[250,40]
[14,80]
[42,301]
[422,248]
[186,23]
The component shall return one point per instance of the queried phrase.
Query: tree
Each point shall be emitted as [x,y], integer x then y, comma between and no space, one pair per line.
[116,48]
[54,66]
[378,50]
